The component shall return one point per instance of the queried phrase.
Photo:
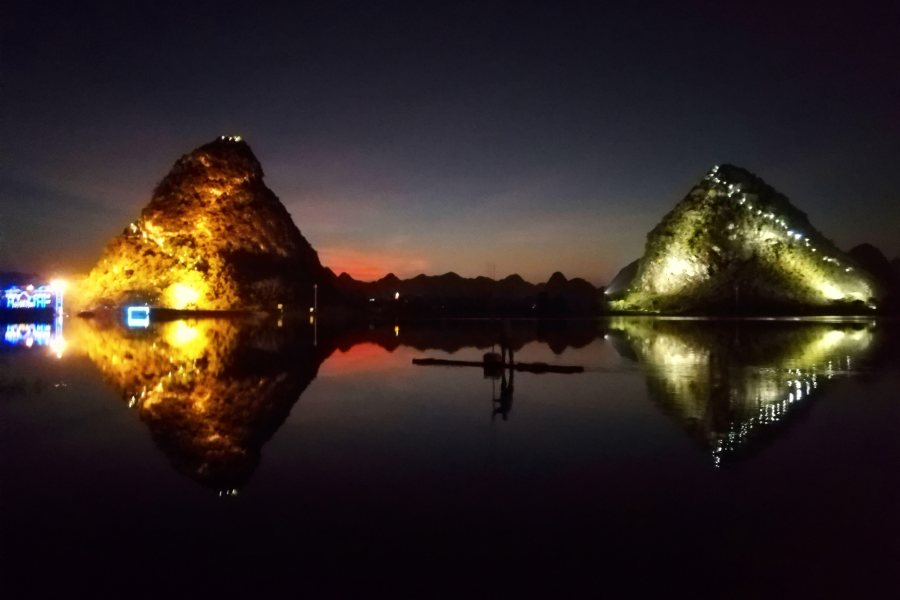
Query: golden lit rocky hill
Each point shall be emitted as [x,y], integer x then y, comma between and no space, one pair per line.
[734,242]
[212,237]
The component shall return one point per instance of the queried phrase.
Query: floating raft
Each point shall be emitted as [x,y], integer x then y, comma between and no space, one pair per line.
[521,367]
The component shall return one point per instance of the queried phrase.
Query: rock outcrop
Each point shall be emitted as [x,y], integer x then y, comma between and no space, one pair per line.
[212,237]
[735,243]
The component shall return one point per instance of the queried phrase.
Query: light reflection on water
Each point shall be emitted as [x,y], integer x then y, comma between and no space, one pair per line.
[728,383]
[213,392]
[333,431]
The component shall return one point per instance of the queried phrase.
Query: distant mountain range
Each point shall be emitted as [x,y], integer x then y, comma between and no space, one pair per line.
[452,294]
[214,237]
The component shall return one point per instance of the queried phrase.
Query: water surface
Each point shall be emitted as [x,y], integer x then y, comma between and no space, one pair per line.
[743,457]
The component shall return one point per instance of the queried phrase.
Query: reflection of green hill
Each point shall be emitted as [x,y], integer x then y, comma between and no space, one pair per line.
[732,384]
[212,392]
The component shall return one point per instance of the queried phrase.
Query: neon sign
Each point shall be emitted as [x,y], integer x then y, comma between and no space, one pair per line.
[30,297]
[137,316]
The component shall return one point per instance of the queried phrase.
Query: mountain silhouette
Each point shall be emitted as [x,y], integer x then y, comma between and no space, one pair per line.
[450,294]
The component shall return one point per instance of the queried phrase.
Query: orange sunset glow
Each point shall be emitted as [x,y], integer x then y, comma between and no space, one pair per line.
[369,266]
[365,358]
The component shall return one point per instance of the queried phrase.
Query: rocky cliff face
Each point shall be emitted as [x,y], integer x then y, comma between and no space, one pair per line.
[213,237]
[734,242]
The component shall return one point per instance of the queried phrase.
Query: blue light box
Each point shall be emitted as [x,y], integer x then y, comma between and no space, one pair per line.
[137,316]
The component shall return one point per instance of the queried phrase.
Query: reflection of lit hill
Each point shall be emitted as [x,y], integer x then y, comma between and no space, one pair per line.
[733,384]
[212,392]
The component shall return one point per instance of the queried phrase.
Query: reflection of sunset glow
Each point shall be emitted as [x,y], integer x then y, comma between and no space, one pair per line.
[365,358]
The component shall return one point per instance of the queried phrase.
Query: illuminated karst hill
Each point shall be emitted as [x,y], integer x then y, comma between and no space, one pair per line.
[734,242]
[212,237]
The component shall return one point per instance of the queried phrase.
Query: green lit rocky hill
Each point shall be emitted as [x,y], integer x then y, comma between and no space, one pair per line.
[212,237]
[735,243]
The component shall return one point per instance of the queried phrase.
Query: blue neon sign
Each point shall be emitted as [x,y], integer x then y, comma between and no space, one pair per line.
[137,316]
[34,298]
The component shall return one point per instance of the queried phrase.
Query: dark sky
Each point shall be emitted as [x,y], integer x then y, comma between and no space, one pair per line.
[427,137]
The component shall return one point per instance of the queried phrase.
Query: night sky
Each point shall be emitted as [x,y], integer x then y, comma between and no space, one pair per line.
[421,137]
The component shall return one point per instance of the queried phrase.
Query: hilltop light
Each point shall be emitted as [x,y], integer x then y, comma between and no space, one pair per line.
[397,296]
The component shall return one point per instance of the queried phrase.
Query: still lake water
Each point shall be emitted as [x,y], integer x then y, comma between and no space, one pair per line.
[751,458]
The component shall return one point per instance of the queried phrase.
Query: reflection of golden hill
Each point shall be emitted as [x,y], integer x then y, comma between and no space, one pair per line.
[212,392]
[729,383]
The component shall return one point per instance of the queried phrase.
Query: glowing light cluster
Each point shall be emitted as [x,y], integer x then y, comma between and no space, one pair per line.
[832,292]
[182,296]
